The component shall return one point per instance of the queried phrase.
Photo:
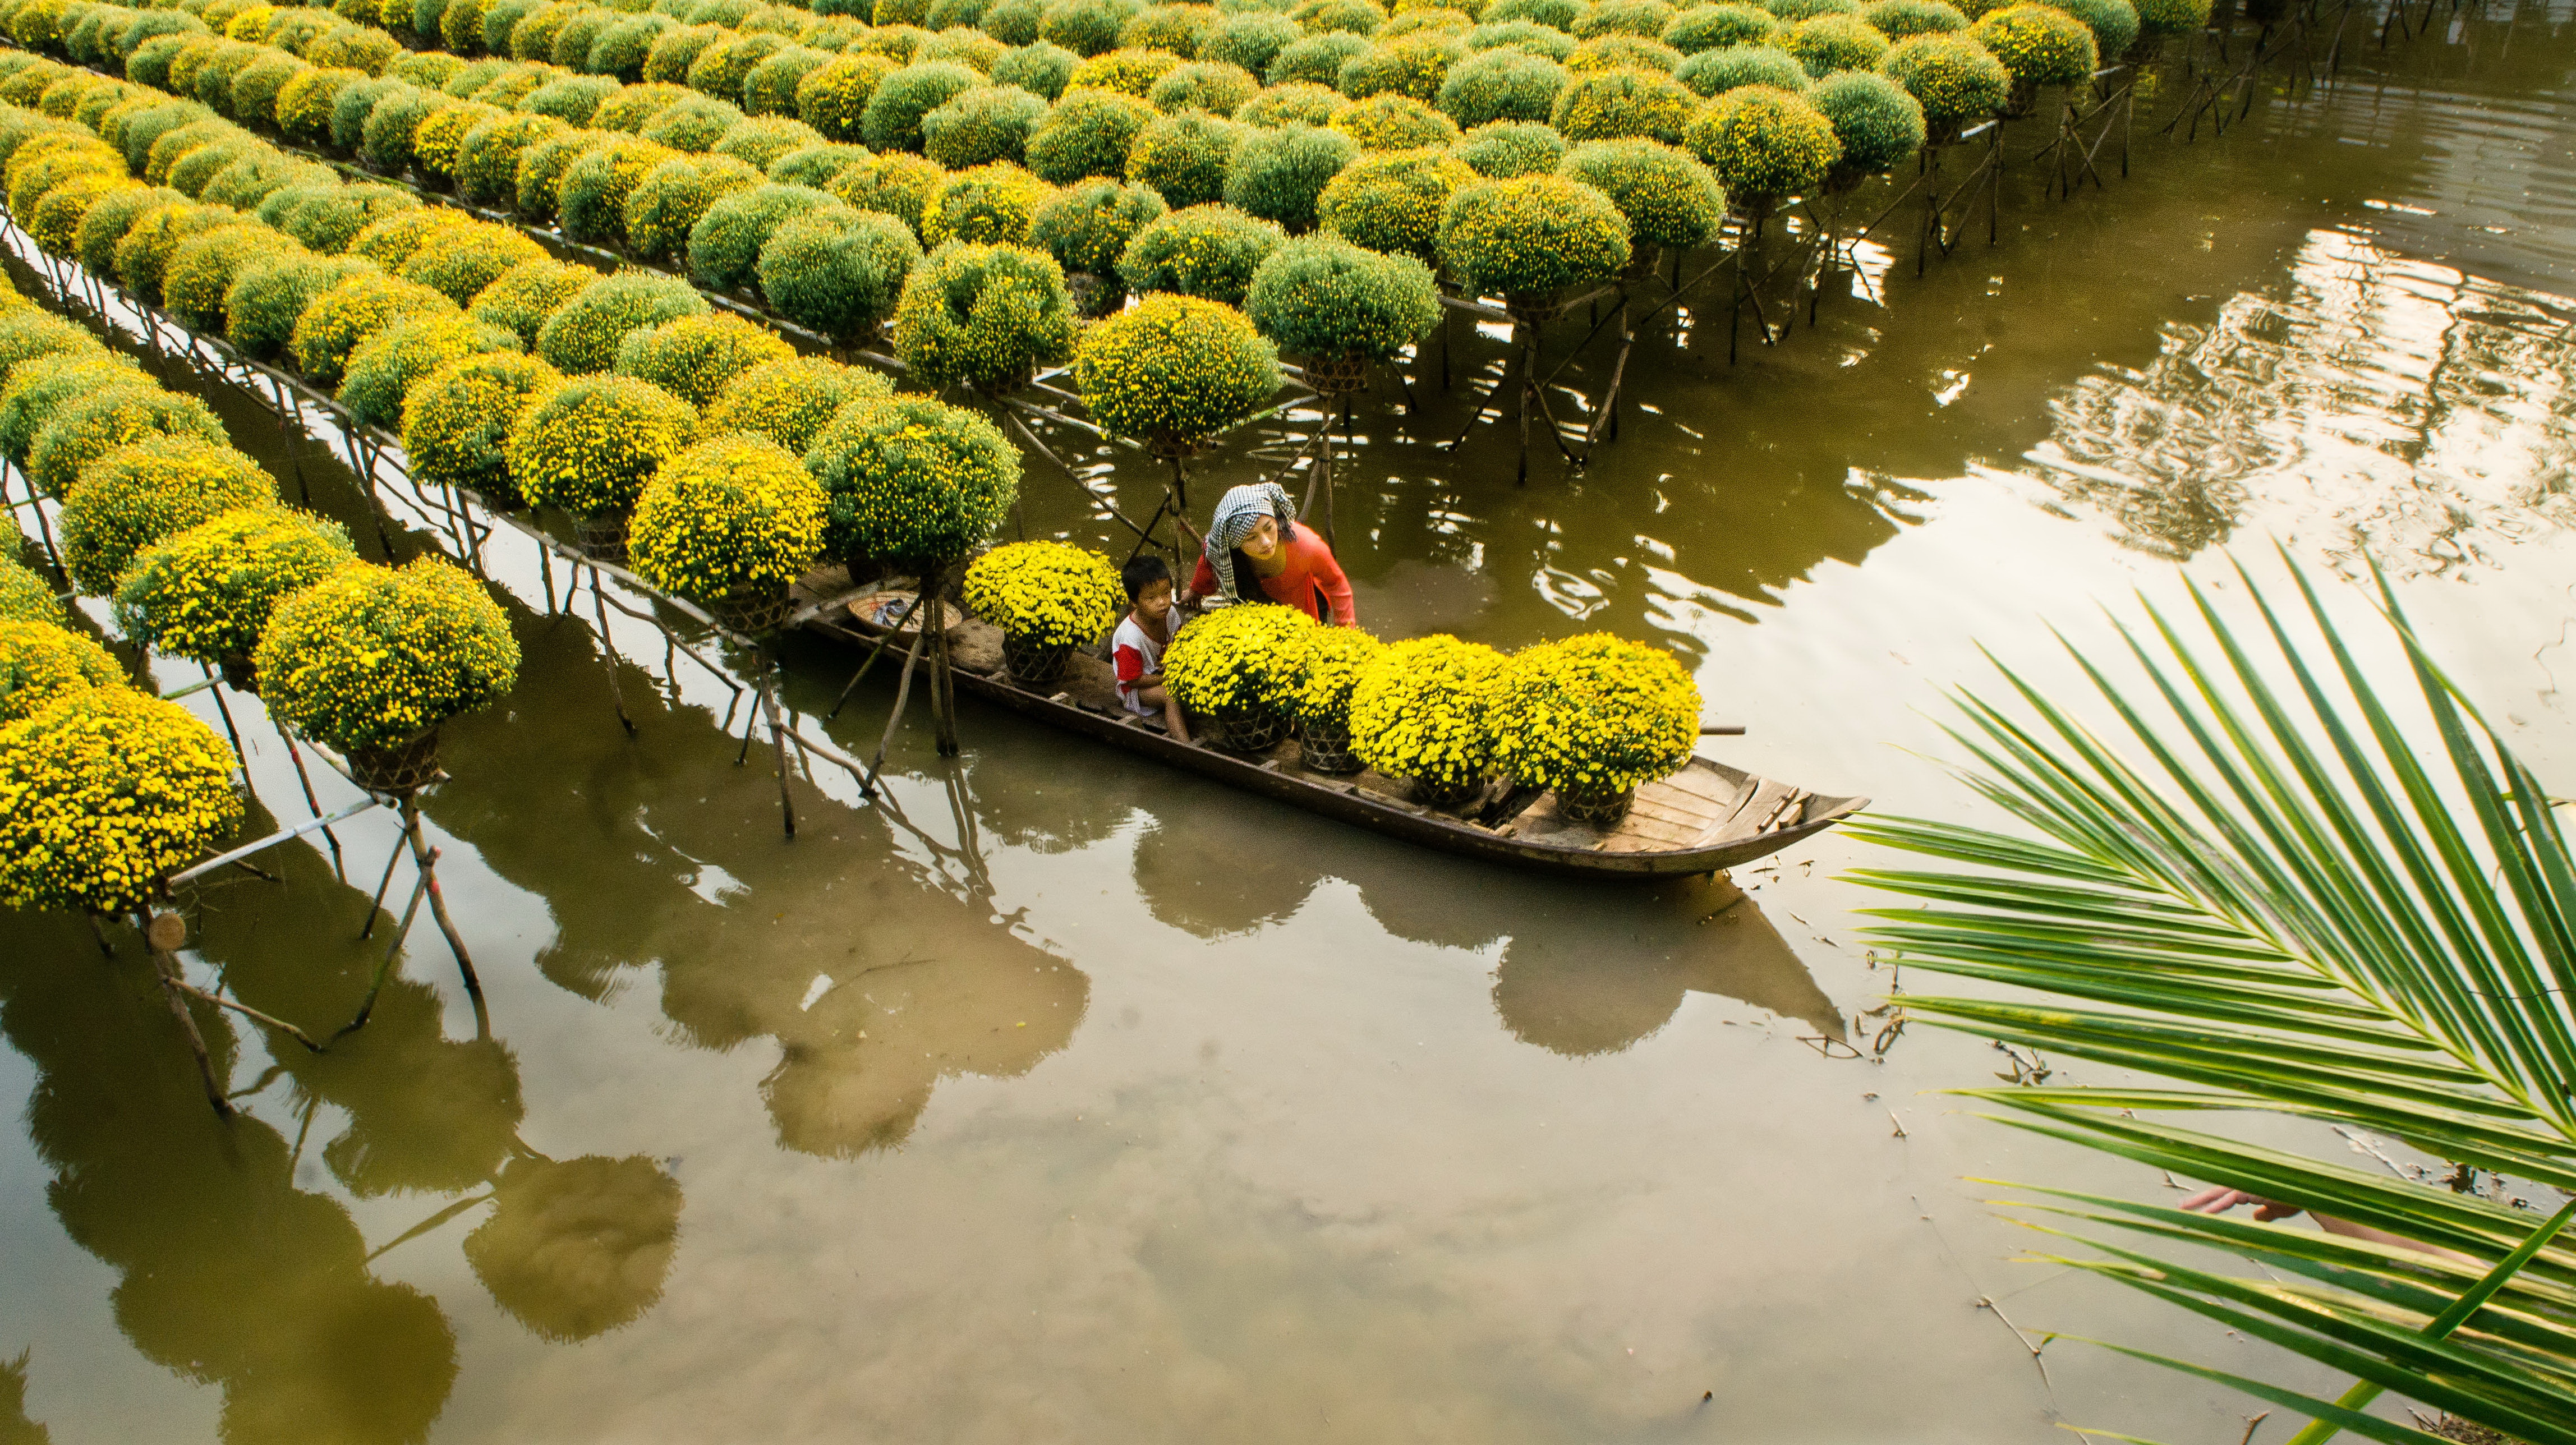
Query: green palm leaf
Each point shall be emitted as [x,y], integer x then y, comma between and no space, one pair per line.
[2266,885]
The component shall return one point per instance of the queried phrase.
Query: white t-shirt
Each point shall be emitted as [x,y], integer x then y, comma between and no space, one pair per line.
[1135,654]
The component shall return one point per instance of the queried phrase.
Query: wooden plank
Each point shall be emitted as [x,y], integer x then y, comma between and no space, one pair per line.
[1696,819]
[1701,783]
[1655,831]
[1756,807]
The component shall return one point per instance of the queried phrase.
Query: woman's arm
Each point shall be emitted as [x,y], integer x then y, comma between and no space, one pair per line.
[1326,573]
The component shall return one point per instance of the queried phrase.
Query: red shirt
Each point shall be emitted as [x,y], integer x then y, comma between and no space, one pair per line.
[1310,570]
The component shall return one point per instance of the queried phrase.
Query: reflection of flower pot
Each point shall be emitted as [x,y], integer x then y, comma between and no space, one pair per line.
[1333,376]
[402,768]
[1448,797]
[241,674]
[1594,810]
[1327,749]
[602,536]
[1033,665]
[753,614]
[1252,731]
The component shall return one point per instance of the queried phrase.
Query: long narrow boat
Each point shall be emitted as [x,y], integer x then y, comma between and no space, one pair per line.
[1703,818]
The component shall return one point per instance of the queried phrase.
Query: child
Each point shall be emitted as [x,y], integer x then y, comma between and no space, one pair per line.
[1137,648]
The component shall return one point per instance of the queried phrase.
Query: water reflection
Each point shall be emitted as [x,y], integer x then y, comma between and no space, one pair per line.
[15,1427]
[2380,406]
[228,1274]
[576,1248]
[872,985]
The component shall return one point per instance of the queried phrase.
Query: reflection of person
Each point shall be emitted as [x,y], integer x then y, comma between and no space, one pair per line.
[1254,547]
[1136,649]
[2219,1199]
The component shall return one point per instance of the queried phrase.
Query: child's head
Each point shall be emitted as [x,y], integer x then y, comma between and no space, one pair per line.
[1149,585]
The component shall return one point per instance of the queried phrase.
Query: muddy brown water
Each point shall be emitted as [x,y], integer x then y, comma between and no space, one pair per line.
[1075,1099]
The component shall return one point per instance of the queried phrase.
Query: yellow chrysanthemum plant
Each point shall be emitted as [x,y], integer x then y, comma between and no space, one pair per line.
[1594,717]
[1226,666]
[730,524]
[41,663]
[105,792]
[1314,673]
[1048,598]
[1423,711]
[206,593]
[589,445]
[1174,371]
[371,660]
[914,483]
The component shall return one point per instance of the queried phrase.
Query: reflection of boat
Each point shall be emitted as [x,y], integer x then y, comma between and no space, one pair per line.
[1706,817]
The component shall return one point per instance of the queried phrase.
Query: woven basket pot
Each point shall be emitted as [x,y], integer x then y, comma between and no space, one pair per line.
[1594,810]
[402,768]
[241,674]
[602,536]
[1327,750]
[1034,665]
[1252,732]
[1335,376]
[1445,796]
[753,614]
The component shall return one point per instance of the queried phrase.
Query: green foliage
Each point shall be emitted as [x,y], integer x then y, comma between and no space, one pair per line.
[1502,84]
[573,99]
[2038,44]
[591,204]
[1715,72]
[1087,134]
[390,240]
[1393,202]
[622,49]
[1669,198]
[1394,123]
[29,338]
[203,266]
[55,227]
[1905,19]
[1764,143]
[771,87]
[790,402]
[1208,250]
[270,293]
[1715,27]
[2256,913]
[254,93]
[456,421]
[27,597]
[487,169]
[1421,710]
[583,336]
[678,48]
[721,69]
[145,251]
[385,142]
[1041,69]
[372,657]
[693,124]
[1322,296]
[1876,122]
[1128,72]
[725,246]
[838,271]
[1294,103]
[1532,236]
[307,102]
[2172,17]
[1414,67]
[543,166]
[1317,59]
[1611,104]
[351,107]
[331,220]
[1793,11]
[383,369]
[633,108]
[1503,149]
[206,593]
[1278,174]
[1526,36]
[892,120]
[1212,86]
[460,261]
[40,387]
[912,481]
[1087,227]
[1623,52]
[1251,41]
[1829,43]
[1184,156]
[695,357]
[1645,18]
[760,140]
[1085,27]
[2115,24]
[981,124]
[898,185]
[673,195]
[145,488]
[1013,22]
[1174,370]
[815,165]
[340,318]
[983,205]
[589,445]
[1179,29]
[1328,17]
[983,316]
[970,48]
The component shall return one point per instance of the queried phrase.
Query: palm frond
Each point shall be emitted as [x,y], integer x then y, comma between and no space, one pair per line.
[2282,897]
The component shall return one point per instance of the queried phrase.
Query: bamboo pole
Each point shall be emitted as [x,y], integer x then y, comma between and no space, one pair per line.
[166,969]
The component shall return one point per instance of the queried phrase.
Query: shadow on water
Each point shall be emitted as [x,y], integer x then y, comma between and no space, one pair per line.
[873,983]
[15,1427]
[228,1274]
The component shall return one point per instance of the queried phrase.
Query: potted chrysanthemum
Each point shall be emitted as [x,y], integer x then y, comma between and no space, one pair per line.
[1315,673]
[730,523]
[206,594]
[1048,598]
[1422,711]
[1224,666]
[1593,717]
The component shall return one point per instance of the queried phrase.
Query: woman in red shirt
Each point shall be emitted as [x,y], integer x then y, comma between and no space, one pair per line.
[1255,551]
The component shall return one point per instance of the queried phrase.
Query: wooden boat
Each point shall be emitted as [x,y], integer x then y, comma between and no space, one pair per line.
[1703,818]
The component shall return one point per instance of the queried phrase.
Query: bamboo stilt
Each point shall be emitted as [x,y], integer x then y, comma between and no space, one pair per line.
[873,653]
[176,992]
[902,696]
[778,735]
[608,650]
